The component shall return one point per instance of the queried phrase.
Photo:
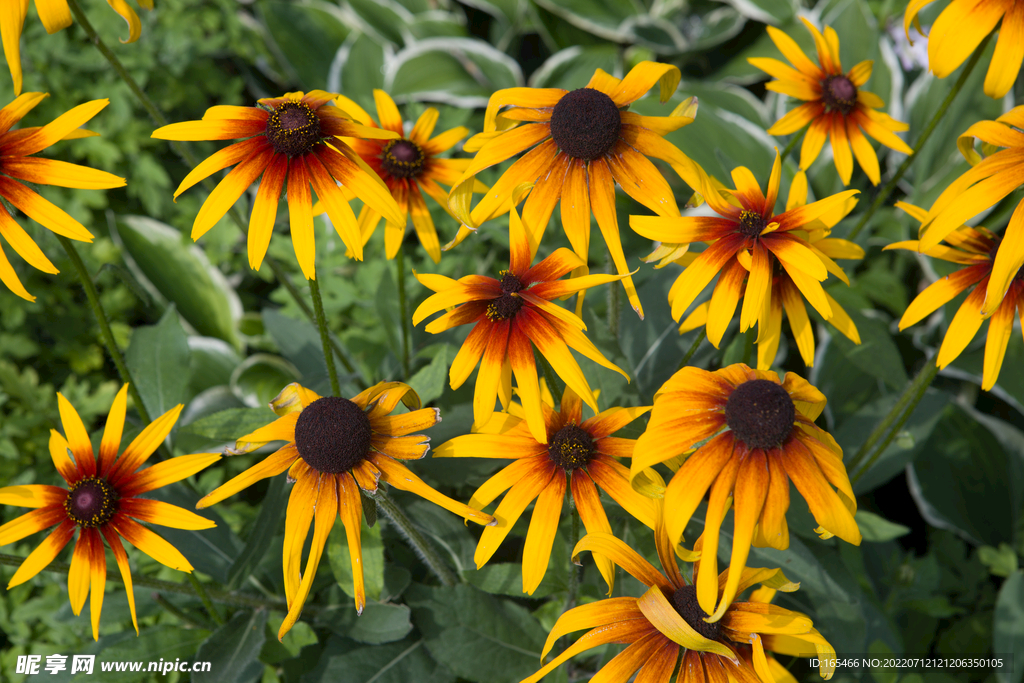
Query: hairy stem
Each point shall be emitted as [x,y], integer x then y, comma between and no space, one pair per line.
[402,312]
[693,348]
[426,552]
[325,336]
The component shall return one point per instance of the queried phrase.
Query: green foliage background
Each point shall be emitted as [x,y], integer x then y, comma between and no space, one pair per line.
[942,510]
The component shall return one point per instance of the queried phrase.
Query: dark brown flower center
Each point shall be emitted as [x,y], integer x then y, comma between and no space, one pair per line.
[685,602]
[585,123]
[402,158]
[571,447]
[332,435]
[760,413]
[293,128]
[839,94]
[91,502]
[508,304]
[752,223]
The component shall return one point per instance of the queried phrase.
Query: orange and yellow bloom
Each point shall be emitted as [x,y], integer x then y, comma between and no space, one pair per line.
[769,439]
[18,166]
[745,242]
[979,251]
[836,107]
[101,501]
[581,143]
[410,166]
[667,632]
[509,317]
[336,446]
[290,140]
[580,452]
[961,27]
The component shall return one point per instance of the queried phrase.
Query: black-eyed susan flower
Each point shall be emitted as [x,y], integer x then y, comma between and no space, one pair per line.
[410,166]
[836,107]
[55,15]
[578,454]
[980,252]
[785,295]
[18,164]
[510,316]
[668,636]
[989,181]
[769,440]
[290,141]
[745,241]
[102,502]
[336,446]
[583,143]
[960,28]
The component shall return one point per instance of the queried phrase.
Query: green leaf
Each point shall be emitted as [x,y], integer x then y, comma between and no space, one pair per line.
[964,483]
[181,273]
[385,18]
[380,622]
[877,354]
[210,551]
[232,649]
[212,361]
[1008,627]
[230,425]
[160,641]
[429,382]
[1001,561]
[877,529]
[406,661]
[261,377]
[262,532]
[574,66]
[477,636]
[459,71]
[303,34]
[373,561]
[299,342]
[602,18]
[358,69]
[158,359]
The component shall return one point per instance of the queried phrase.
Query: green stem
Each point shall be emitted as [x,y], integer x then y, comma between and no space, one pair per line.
[891,185]
[105,332]
[792,143]
[223,597]
[574,582]
[325,336]
[426,552]
[891,424]
[187,619]
[204,597]
[614,301]
[553,386]
[186,155]
[693,348]
[402,312]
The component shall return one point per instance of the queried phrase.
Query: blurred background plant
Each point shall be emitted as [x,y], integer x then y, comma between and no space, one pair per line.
[942,506]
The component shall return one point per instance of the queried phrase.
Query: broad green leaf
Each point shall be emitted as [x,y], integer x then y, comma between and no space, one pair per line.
[574,66]
[230,425]
[430,381]
[181,273]
[158,359]
[461,71]
[373,561]
[232,649]
[602,19]
[1010,385]
[303,34]
[479,637]
[878,529]
[386,18]
[1001,561]
[379,623]
[210,551]
[212,361]
[299,342]
[261,377]
[1008,630]
[357,70]
[153,643]
[271,508]
[406,661]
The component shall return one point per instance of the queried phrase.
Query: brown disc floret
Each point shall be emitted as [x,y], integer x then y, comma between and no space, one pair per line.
[508,304]
[760,413]
[571,447]
[402,158]
[585,124]
[91,502]
[333,435]
[293,128]
[685,602]
[839,94]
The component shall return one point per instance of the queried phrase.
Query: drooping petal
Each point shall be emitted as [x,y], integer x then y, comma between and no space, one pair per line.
[165,514]
[541,535]
[325,513]
[399,476]
[510,509]
[588,503]
[272,465]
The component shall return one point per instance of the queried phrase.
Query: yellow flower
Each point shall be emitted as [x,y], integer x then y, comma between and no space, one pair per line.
[745,242]
[336,446]
[18,164]
[581,451]
[836,107]
[961,27]
[55,15]
[511,315]
[409,166]
[583,143]
[771,440]
[291,138]
[980,252]
[101,502]
[785,294]
[666,629]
